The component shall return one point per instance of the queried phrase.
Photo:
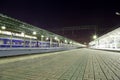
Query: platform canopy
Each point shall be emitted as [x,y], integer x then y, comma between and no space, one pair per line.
[17,26]
[109,40]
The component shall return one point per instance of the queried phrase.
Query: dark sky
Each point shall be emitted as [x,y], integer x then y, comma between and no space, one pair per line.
[58,14]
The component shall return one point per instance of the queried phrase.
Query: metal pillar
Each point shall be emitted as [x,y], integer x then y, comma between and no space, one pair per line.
[50,42]
[24,40]
[41,38]
[115,42]
[30,43]
[11,40]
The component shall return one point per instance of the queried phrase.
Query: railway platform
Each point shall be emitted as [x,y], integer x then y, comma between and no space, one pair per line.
[76,64]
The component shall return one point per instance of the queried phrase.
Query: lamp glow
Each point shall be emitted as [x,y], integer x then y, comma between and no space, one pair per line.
[34,33]
[47,38]
[22,33]
[56,38]
[70,42]
[95,37]
[3,27]
[42,36]
[65,41]
[117,13]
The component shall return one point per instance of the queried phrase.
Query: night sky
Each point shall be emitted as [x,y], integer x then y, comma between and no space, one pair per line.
[58,14]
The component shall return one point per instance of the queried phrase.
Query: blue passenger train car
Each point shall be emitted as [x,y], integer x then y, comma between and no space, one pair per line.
[16,43]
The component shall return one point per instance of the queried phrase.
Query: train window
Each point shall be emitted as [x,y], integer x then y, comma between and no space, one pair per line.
[22,43]
[13,43]
[18,43]
[8,42]
[1,42]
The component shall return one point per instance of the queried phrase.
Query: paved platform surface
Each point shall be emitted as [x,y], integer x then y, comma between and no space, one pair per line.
[77,64]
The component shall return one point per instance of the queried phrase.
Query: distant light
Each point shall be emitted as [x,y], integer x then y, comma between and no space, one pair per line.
[16,34]
[47,38]
[6,32]
[42,36]
[3,27]
[95,37]
[70,42]
[117,13]
[65,41]
[34,33]
[22,33]
[33,37]
[56,38]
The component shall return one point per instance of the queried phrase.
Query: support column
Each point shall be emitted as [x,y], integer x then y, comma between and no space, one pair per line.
[41,38]
[30,43]
[115,42]
[58,43]
[24,40]
[11,40]
[50,42]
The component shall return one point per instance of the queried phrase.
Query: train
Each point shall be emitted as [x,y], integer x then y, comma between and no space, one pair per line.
[19,43]
[18,46]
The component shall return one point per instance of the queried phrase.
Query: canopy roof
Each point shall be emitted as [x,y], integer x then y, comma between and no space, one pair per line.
[17,26]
